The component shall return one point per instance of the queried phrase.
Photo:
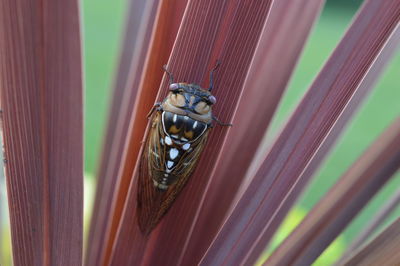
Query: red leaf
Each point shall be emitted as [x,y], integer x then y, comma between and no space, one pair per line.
[267,78]
[221,30]
[123,141]
[373,224]
[350,194]
[138,34]
[382,250]
[41,99]
[255,218]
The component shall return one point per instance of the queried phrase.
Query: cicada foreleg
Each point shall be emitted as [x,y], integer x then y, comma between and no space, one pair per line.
[156,107]
[219,122]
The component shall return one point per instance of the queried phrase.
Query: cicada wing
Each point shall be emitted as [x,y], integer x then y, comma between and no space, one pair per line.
[153,203]
[148,197]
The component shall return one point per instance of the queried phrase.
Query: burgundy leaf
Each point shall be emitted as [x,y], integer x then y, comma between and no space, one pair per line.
[374,224]
[350,194]
[143,80]
[382,250]
[251,224]
[222,30]
[277,53]
[42,117]
[140,22]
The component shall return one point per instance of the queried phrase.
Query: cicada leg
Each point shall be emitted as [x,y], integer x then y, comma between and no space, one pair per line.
[156,106]
[221,123]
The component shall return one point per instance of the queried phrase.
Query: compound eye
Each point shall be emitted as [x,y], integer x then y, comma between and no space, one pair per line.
[173,86]
[212,99]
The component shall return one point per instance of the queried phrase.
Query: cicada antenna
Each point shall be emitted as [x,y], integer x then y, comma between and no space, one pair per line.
[212,74]
[171,77]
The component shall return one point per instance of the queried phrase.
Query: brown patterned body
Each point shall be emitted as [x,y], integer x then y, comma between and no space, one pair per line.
[178,134]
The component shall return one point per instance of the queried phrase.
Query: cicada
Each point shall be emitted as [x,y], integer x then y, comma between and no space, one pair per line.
[180,125]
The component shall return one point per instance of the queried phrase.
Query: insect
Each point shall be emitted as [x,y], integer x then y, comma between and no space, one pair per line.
[179,129]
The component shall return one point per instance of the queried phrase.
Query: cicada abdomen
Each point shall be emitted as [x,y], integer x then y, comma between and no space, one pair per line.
[178,134]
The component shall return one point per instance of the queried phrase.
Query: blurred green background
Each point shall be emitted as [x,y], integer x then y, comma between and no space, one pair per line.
[103,30]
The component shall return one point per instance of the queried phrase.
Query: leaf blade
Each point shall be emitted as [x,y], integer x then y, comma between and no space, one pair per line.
[259,99]
[210,38]
[137,38]
[155,42]
[303,135]
[383,249]
[42,117]
[348,196]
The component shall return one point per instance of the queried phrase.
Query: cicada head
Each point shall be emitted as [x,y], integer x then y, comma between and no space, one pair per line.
[190,100]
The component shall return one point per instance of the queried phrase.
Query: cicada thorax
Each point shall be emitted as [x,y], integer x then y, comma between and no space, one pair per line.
[178,134]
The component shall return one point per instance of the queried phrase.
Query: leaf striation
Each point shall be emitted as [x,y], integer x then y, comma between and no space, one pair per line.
[259,211]
[42,117]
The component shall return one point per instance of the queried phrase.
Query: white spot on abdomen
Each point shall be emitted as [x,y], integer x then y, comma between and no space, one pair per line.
[168,140]
[174,118]
[161,186]
[170,164]
[173,153]
[194,124]
[186,146]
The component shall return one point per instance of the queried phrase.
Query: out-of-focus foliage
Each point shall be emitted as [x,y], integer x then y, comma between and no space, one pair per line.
[5,238]
[377,112]
[102,33]
[346,4]
[291,221]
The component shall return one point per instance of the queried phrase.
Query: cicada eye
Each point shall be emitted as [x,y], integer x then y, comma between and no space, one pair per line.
[174,86]
[212,99]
